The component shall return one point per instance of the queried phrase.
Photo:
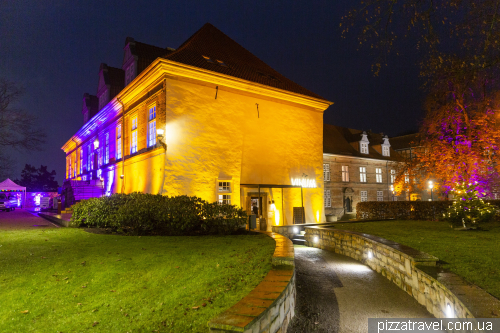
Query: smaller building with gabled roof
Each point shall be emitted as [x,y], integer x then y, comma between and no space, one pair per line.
[358,166]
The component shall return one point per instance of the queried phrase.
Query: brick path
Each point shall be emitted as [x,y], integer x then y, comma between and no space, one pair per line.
[338,294]
[22,219]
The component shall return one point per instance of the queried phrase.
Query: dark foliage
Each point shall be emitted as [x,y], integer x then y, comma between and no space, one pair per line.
[38,180]
[407,210]
[139,213]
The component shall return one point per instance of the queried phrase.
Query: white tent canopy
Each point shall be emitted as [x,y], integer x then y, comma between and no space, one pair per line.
[8,185]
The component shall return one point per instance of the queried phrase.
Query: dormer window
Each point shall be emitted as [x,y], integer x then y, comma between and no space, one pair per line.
[386,147]
[208,59]
[363,143]
[222,63]
[103,100]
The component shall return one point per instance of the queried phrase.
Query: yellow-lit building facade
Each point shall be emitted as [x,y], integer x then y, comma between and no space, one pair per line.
[209,120]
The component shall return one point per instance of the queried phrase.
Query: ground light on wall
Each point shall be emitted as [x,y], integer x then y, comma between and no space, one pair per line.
[449,311]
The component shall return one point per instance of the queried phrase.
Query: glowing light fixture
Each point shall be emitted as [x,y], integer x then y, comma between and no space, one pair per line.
[96,143]
[449,311]
[295,230]
[159,132]
[370,255]
[316,239]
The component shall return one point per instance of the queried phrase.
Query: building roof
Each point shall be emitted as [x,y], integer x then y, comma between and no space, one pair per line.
[228,57]
[115,77]
[405,141]
[342,141]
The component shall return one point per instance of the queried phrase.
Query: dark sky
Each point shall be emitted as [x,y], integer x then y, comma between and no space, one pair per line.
[54,48]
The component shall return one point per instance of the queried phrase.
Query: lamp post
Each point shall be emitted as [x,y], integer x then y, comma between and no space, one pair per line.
[159,136]
[431,186]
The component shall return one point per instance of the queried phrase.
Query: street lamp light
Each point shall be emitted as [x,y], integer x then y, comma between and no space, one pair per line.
[392,190]
[431,186]
[159,136]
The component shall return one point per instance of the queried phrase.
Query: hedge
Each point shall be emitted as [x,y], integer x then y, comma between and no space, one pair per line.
[140,213]
[406,210]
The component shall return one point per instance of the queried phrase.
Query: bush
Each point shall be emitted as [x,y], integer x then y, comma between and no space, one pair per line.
[140,213]
[406,210]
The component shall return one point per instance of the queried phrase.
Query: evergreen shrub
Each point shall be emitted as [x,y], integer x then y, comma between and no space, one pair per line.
[141,213]
[410,210]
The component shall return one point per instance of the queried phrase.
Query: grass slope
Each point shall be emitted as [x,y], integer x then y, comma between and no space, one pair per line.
[73,281]
[474,255]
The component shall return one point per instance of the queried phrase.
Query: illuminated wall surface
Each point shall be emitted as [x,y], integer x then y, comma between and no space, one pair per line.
[212,139]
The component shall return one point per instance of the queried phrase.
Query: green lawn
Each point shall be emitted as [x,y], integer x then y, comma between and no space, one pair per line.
[474,255]
[69,280]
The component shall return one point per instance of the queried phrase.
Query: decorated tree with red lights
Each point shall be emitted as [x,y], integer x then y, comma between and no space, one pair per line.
[458,43]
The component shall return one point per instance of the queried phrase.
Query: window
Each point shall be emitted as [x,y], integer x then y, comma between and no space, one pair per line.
[345,173]
[378,174]
[407,178]
[362,174]
[89,158]
[208,59]
[118,142]
[129,74]
[102,99]
[81,160]
[222,63]
[99,157]
[69,173]
[364,196]
[152,126]
[326,172]
[133,146]
[106,150]
[328,198]
[364,147]
[385,151]
[224,199]
[224,187]
[393,176]
[380,195]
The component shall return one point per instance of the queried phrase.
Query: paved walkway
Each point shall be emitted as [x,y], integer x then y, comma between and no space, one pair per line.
[338,294]
[22,219]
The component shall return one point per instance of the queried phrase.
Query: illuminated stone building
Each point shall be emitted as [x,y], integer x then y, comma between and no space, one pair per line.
[208,119]
[357,166]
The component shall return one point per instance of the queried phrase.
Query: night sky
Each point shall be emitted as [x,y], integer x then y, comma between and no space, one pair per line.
[54,48]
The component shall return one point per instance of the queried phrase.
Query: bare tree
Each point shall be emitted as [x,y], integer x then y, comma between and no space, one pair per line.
[18,128]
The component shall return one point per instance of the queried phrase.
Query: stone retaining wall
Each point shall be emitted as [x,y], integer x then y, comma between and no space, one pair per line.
[443,293]
[271,305]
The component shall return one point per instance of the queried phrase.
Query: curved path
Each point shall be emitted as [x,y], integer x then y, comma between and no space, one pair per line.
[338,294]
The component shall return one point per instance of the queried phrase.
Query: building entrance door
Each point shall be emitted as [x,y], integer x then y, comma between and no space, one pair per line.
[256,203]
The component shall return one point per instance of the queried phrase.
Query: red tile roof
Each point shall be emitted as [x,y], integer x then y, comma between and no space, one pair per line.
[237,61]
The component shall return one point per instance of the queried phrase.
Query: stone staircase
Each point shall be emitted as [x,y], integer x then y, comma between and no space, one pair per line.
[299,239]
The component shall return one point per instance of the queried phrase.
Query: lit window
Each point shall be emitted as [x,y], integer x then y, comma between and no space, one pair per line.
[378,174]
[106,152]
[133,148]
[152,126]
[328,198]
[393,176]
[364,147]
[81,160]
[345,173]
[362,174]
[225,199]
[89,158]
[224,187]
[407,178]
[364,196]
[380,195]
[385,151]
[326,172]
[118,142]
[69,170]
